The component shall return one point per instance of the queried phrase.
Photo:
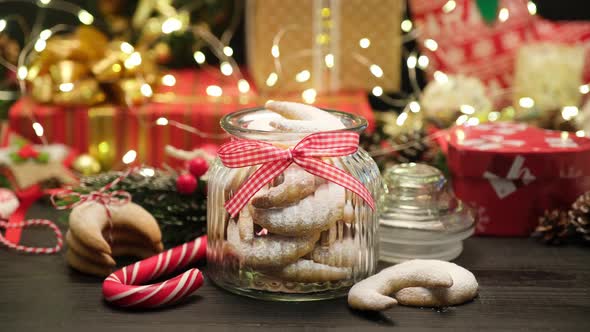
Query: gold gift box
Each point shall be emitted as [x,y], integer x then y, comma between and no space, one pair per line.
[333,45]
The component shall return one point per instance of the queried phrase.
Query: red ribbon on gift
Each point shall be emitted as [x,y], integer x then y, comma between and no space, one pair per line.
[307,153]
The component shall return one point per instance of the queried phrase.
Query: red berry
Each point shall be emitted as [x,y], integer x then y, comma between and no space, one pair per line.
[186,184]
[28,151]
[197,166]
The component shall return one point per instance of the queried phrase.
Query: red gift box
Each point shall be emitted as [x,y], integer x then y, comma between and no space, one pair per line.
[512,172]
[122,129]
[467,45]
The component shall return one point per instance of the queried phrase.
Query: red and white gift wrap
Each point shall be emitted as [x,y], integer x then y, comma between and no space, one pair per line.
[512,172]
[187,102]
[122,129]
[124,287]
[469,46]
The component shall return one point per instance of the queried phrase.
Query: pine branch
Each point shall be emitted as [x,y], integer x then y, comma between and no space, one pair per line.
[180,217]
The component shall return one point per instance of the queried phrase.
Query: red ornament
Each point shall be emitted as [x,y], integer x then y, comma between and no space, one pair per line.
[197,166]
[186,184]
[28,151]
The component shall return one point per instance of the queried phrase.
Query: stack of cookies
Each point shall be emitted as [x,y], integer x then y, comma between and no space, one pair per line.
[298,228]
[93,239]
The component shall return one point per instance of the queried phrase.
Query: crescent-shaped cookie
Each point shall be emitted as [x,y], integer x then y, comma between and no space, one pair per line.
[298,111]
[296,185]
[246,225]
[311,215]
[464,287]
[305,126]
[97,257]
[340,253]
[89,266]
[261,124]
[297,117]
[348,216]
[89,219]
[83,265]
[373,293]
[268,251]
[308,271]
[124,236]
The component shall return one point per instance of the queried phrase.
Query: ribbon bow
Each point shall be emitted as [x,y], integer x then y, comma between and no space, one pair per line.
[101,196]
[274,160]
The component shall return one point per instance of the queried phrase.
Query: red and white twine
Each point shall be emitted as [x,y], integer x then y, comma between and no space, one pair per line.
[101,196]
[32,250]
[307,154]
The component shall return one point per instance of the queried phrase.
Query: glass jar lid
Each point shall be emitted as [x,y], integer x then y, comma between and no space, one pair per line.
[417,197]
[421,218]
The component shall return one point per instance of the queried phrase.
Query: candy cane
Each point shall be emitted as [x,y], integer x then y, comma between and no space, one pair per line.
[123,287]
[32,250]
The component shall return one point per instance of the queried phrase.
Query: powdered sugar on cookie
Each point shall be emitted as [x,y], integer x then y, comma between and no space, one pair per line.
[302,117]
[308,271]
[312,214]
[372,293]
[464,287]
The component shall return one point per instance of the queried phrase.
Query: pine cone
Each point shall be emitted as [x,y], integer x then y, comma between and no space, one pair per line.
[416,147]
[390,156]
[553,227]
[416,151]
[579,216]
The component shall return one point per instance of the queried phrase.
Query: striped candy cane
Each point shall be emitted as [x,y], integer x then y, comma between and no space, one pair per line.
[32,250]
[124,287]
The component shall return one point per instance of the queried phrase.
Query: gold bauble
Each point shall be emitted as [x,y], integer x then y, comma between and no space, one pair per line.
[86,164]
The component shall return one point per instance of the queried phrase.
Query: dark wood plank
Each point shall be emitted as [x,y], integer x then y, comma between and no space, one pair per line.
[523,286]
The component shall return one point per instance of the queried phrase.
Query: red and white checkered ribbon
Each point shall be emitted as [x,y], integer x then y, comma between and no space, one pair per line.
[274,160]
[33,250]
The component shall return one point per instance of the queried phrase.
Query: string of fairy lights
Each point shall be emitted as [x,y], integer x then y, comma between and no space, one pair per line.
[220,48]
[38,42]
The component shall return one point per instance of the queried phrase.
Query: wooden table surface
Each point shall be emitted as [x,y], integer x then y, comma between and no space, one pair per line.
[523,286]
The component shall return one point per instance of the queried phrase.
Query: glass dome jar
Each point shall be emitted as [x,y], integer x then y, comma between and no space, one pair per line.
[300,237]
[420,217]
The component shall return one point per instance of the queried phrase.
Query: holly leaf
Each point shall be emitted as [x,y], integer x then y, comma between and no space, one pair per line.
[19,142]
[16,158]
[43,157]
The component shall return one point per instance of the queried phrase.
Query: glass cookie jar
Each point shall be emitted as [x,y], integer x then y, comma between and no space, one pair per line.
[300,237]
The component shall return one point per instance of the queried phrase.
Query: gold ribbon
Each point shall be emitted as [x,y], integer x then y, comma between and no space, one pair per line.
[84,68]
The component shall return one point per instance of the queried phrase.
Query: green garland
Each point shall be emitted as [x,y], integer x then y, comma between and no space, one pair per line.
[180,217]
